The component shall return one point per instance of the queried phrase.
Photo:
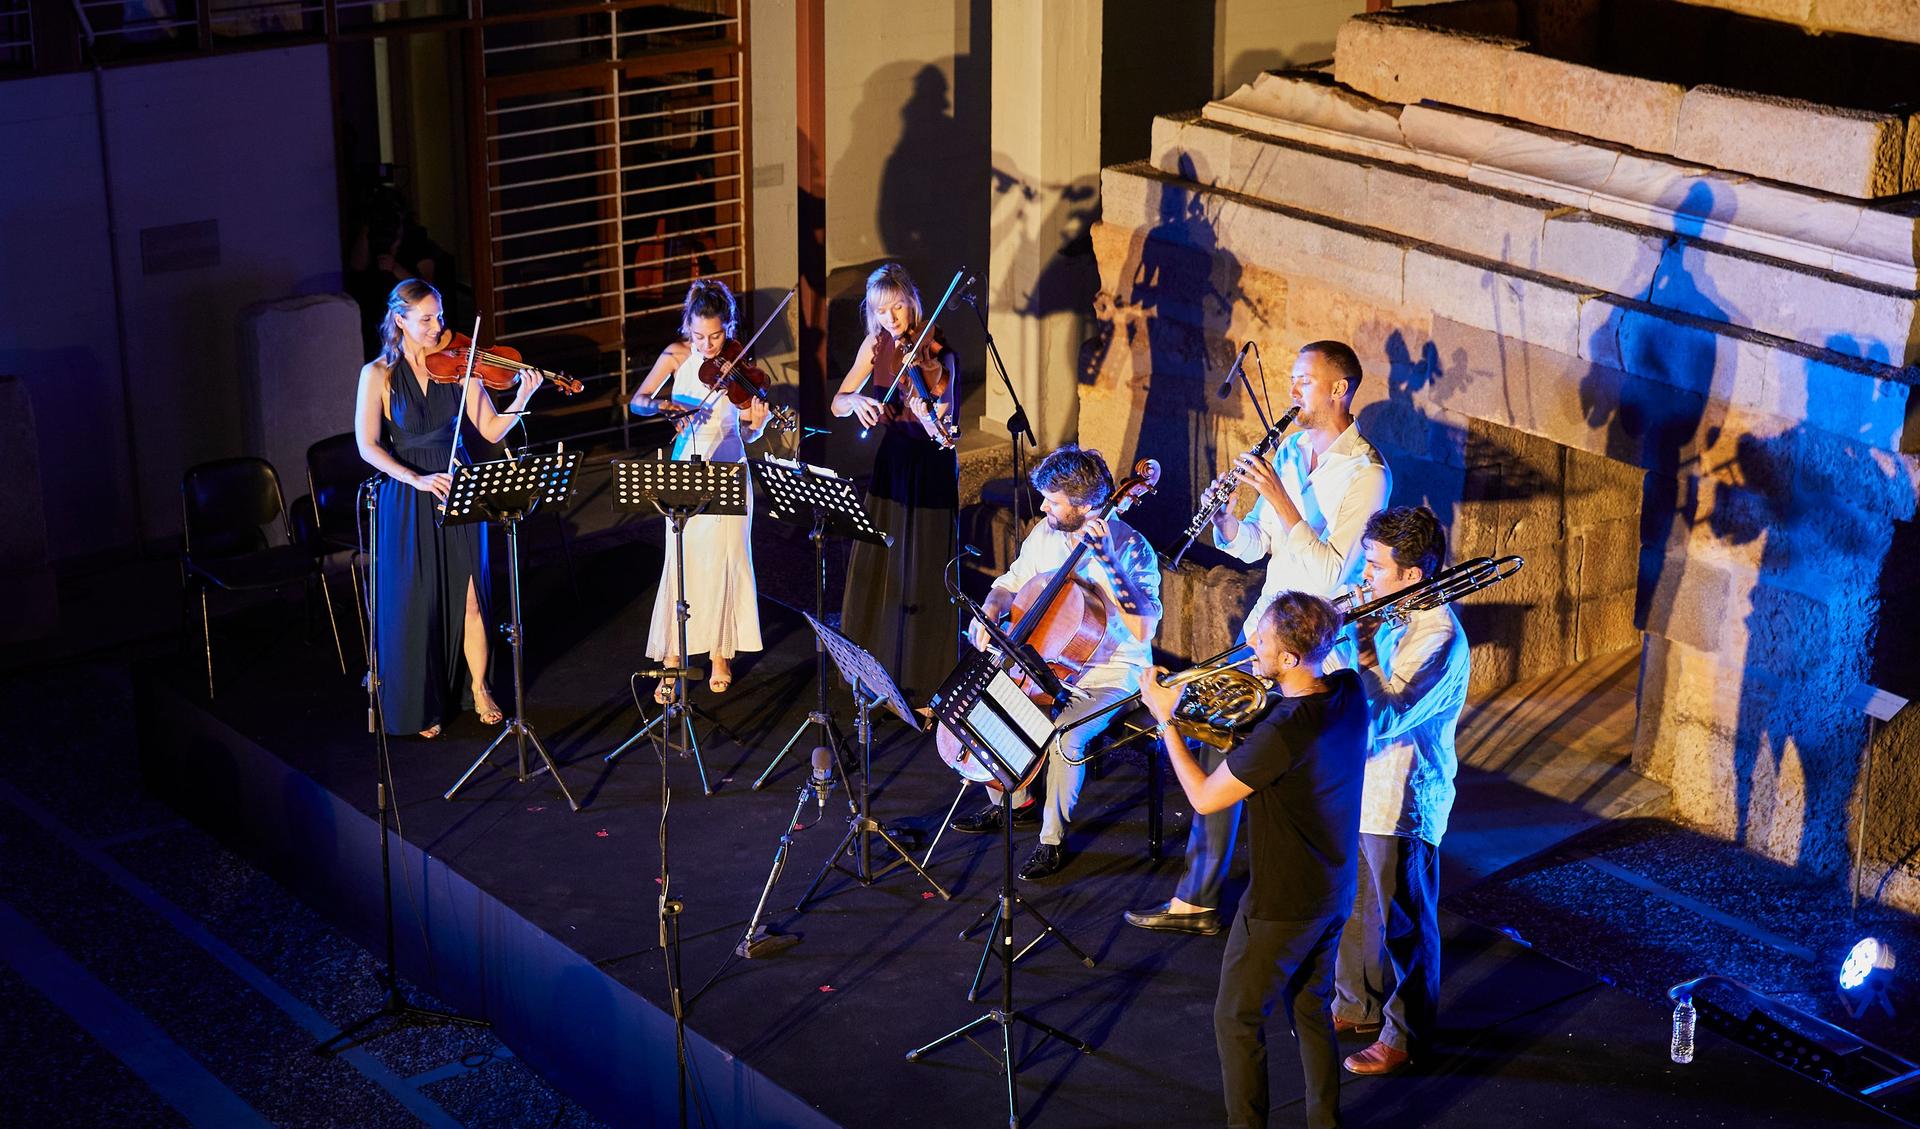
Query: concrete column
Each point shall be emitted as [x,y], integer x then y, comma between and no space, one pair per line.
[1046,170]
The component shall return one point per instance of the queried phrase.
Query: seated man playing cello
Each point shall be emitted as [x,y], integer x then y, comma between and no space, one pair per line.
[1120,575]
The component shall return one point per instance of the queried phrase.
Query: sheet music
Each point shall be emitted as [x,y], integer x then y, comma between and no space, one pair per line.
[1006,744]
[1031,718]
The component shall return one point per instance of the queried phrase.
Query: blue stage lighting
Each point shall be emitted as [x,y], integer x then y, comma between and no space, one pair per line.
[1864,976]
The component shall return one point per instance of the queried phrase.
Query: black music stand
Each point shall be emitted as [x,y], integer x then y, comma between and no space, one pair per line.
[800,494]
[677,490]
[871,683]
[508,491]
[995,721]
[1007,733]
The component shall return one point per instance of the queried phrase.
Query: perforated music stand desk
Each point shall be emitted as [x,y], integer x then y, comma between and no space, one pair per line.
[694,487]
[507,490]
[677,490]
[825,502]
[802,494]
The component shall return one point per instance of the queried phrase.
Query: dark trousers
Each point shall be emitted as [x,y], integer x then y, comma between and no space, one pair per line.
[1389,969]
[1268,962]
[1209,841]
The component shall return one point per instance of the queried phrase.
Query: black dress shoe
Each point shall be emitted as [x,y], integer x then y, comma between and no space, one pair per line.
[1161,919]
[1046,861]
[987,819]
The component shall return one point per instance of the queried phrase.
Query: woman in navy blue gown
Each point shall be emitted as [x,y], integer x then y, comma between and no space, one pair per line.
[430,583]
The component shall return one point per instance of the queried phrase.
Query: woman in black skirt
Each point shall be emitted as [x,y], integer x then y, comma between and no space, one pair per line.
[896,604]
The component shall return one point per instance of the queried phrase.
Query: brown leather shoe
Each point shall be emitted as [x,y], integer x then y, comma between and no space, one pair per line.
[1344,1026]
[1377,1059]
[1162,919]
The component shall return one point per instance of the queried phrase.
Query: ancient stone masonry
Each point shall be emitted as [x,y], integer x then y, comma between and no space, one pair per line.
[1648,326]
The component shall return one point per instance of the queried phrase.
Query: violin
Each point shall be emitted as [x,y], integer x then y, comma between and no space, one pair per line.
[921,388]
[733,372]
[498,368]
[1064,618]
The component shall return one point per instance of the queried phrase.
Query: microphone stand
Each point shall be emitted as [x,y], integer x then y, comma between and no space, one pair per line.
[1019,431]
[395,1006]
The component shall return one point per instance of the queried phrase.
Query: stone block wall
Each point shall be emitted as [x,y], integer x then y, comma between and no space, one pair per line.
[1831,112]
[1682,394]
[1885,19]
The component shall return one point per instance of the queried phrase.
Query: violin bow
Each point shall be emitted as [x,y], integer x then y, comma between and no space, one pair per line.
[466,380]
[914,351]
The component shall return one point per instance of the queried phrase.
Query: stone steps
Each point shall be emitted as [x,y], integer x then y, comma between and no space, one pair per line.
[1687,275]
[1441,53]
[1871,243]
[1885,19]
[1752,371]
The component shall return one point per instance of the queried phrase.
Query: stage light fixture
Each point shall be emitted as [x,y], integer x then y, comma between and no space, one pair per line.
[1864,976]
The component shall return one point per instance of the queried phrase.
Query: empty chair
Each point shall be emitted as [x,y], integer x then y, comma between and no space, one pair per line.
[327,519]
[228,507]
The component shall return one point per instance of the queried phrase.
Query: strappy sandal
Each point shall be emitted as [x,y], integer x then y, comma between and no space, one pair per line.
[431,732]
[718,683]
[488,715]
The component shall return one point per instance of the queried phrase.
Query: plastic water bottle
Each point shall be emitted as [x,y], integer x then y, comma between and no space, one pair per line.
[1683,1019]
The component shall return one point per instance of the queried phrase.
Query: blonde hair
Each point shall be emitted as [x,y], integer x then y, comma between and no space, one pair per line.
[404,297]
[890,278]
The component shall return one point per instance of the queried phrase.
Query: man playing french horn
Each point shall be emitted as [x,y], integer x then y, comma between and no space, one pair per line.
[1315,496]
[1298,772]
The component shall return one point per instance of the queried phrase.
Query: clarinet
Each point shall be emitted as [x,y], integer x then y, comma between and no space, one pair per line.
[1222,490]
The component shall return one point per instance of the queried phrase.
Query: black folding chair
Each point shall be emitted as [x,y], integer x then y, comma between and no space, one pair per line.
[326,520]
[227,508]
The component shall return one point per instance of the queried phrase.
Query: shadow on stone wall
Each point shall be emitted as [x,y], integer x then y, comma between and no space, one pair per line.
[929,213]
[1660,423]
[1180,290]
[1761,563]
[1814,607]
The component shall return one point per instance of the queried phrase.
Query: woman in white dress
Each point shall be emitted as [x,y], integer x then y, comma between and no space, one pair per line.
[723,612]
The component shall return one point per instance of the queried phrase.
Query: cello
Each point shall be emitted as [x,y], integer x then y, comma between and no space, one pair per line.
[1060,618]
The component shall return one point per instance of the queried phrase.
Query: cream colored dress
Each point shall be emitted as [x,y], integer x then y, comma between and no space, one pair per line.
[723,610]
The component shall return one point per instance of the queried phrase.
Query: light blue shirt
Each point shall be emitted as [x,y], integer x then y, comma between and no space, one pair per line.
[1415,698]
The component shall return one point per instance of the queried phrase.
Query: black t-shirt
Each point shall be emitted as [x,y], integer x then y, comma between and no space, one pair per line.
[1305,761]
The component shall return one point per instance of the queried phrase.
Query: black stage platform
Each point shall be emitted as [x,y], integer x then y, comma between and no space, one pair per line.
[544,919]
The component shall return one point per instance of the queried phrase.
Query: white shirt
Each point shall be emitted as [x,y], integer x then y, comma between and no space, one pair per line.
[1047,548]
[1415,698]
[1321,552]
[718,438]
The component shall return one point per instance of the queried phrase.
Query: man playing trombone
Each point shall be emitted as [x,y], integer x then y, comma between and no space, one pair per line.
[1413,667]
[1316,495]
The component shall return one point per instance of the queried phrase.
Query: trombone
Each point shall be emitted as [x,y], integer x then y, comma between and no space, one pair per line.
[1217,699]
[1443,587]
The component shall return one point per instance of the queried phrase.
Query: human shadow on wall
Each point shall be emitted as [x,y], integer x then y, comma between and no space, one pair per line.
[930,213]
[1813,606]
[1180,291]
[1407,437]
[1451,469]
[1653,422]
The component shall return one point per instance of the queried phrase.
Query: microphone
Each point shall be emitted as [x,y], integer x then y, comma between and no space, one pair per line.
[822,775]
[1226,386]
